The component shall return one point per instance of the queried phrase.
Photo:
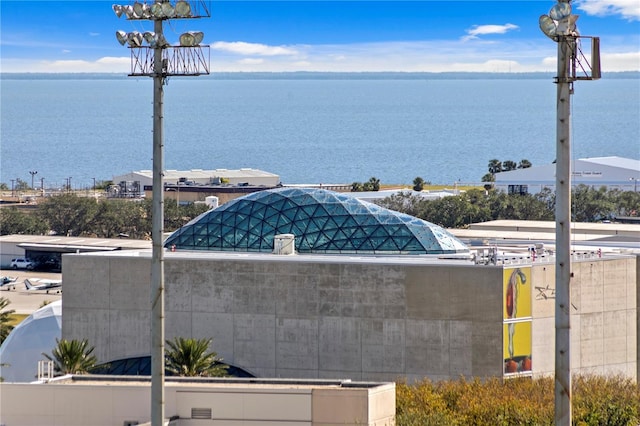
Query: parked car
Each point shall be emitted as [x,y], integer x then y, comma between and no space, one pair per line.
[21,263]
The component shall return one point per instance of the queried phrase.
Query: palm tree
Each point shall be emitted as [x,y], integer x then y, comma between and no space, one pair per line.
[189,357]
[495,166]
[374,184]
[524,164]
[72,356]
[418,184]
[356,187]
[509,165]
[5,319]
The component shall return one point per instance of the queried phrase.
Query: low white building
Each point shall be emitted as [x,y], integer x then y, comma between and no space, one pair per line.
[202,177]
[610,172]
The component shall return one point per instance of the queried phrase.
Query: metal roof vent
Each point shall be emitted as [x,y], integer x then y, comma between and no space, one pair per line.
[284,244]
[201,413]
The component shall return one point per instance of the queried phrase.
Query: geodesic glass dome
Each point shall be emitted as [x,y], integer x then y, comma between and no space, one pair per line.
[322,222]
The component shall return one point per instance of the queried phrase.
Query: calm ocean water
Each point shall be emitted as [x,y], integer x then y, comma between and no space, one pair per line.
[305,130]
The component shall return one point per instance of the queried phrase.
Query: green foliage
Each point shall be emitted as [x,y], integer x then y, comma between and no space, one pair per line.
[497,166]
[472,206]
[5,318]
[489,177]
[69,214]
[13,221]
[418,184]
[20,185]
[611,401]
[72,356]
[373,184]
[524,401]
[509,165]
[524,164]
[189,357]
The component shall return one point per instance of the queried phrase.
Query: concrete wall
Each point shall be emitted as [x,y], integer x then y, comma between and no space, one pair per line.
[112,403]
[291,318]
[604,327]
[338,317]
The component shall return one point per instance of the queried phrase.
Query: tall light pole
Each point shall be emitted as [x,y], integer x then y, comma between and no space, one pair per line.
[560,26]
[32,173]
[160,60]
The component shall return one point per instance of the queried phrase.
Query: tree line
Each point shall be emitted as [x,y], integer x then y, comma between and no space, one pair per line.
[458,211]
[71,215]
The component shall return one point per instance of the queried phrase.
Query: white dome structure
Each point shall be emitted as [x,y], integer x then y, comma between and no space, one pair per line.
[23,348]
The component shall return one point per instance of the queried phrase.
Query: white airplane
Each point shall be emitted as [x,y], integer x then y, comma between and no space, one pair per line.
[8,282]
[33,284]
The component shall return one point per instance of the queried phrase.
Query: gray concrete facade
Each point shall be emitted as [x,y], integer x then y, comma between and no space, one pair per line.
[364,318]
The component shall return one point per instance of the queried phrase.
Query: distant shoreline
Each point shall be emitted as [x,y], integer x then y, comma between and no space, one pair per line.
[310,75]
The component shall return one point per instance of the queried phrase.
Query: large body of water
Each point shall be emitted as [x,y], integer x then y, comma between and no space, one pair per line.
[305,130]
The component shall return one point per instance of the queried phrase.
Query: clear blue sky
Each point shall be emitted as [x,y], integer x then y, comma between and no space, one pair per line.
[492,36]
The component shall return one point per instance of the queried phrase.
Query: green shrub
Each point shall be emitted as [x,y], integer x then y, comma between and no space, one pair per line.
[523,401]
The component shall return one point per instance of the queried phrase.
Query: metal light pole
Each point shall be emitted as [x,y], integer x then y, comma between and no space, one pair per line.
[32,173]
[160,60]
[157,258]
[560,26]
[563,237]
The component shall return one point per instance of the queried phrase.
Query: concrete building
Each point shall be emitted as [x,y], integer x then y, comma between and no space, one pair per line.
[358,317]
[365,295]
[108,400]
[610,172]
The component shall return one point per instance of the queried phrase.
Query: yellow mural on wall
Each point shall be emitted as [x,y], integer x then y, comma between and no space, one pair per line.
[516,314]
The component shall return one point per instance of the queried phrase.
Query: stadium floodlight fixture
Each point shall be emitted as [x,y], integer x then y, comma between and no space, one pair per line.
[134,39]
[156,10]
[548,26]
[191,38]
[117,9]
[560,11]
[559,21]
[122,37]
[154,39]
[183,8]
[128,11]
[141,10]
[168,10]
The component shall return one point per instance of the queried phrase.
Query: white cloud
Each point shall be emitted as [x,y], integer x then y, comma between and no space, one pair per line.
[243,48]
[478,30]
[251,61]
[102,65]
[424,56]
[609,62]
[628,9]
